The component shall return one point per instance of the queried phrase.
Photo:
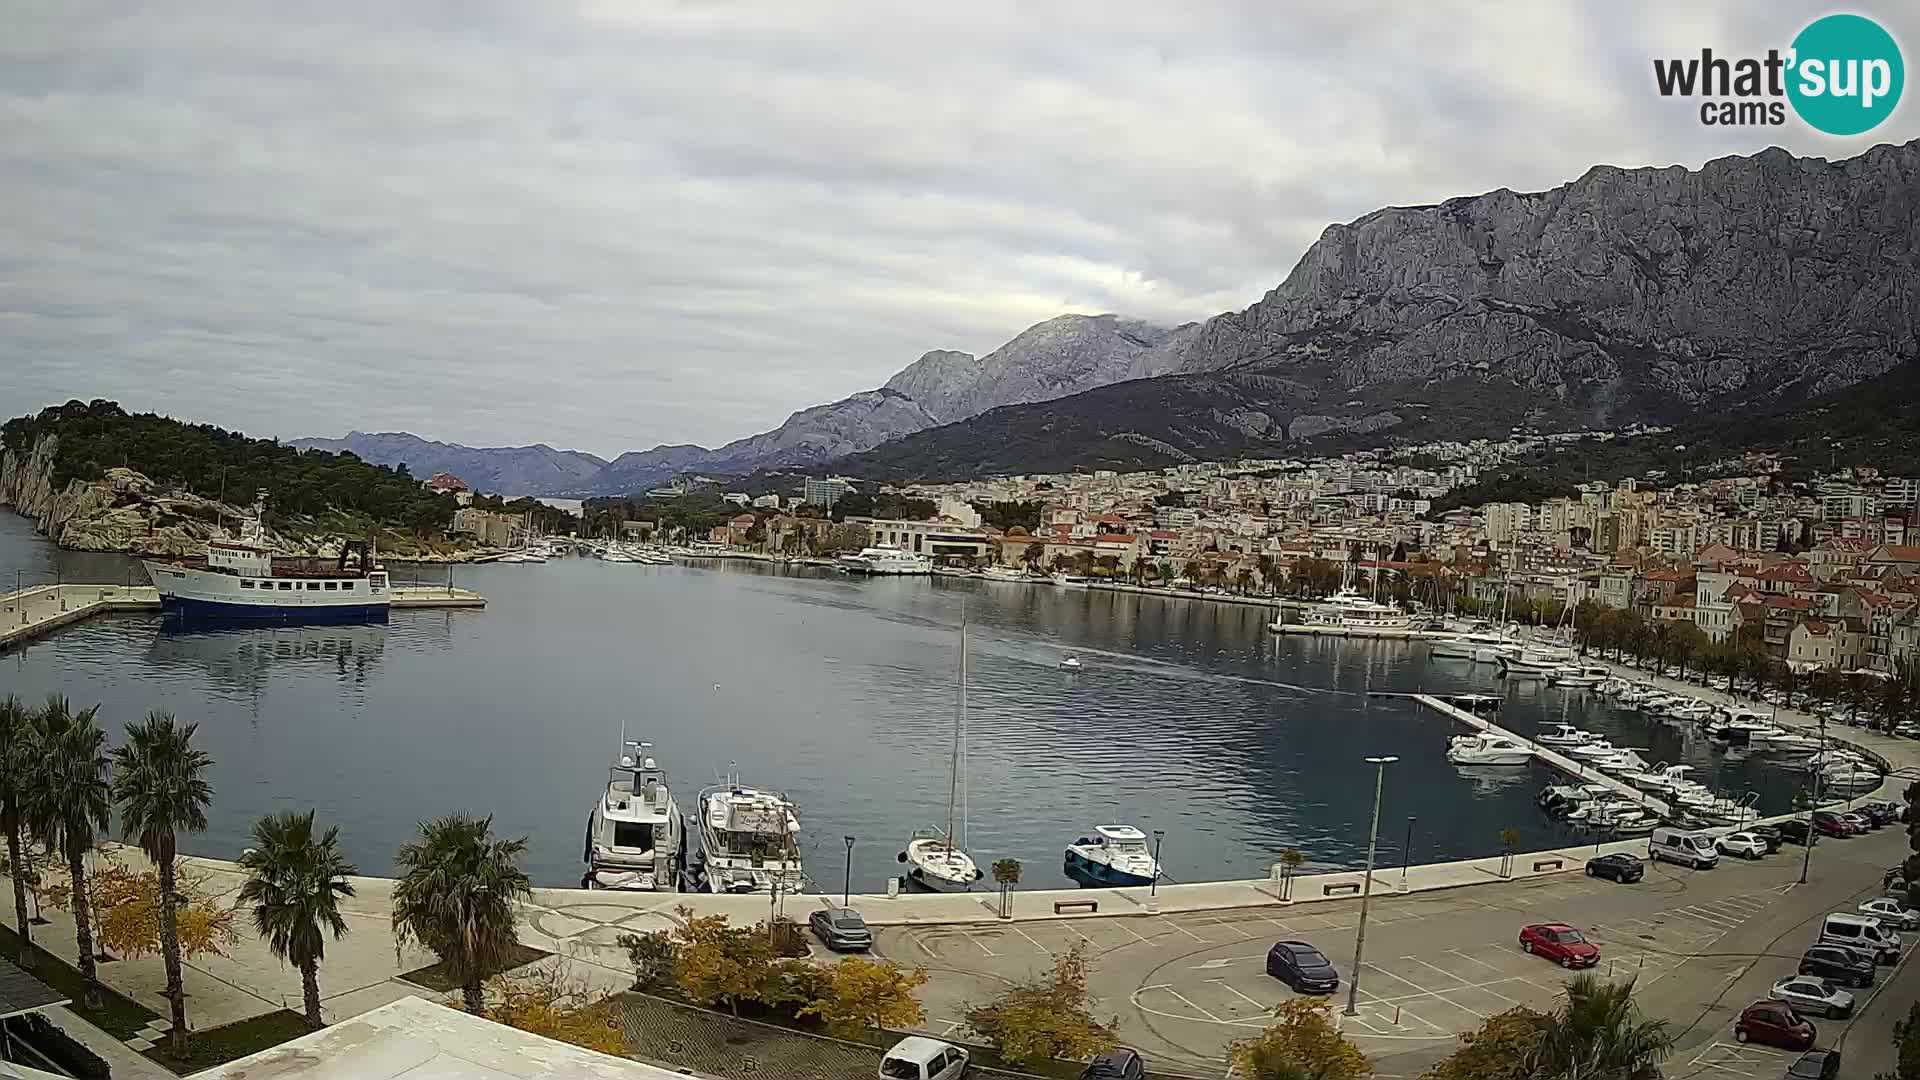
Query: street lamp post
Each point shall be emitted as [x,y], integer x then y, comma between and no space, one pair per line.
[1406,852]
[1366,887]
[1813,805]
[1153,888]
[846,887]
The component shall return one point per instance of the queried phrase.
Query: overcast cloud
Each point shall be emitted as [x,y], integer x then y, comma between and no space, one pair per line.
[608,225]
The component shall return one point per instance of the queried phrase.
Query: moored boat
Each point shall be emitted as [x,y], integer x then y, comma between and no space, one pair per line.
[1115,855]
[241,579]
[635,833]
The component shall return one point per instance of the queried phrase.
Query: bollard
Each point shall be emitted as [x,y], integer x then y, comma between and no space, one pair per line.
[1396,1016]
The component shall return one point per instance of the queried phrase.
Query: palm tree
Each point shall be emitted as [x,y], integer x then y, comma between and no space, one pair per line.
[14,721]
[67,806]
[1598,1032]
[295,884]
[455,896]
[158,784]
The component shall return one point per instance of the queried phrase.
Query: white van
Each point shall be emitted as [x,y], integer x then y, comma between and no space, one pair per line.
[919,1058]
[1687,847]
[1863,933]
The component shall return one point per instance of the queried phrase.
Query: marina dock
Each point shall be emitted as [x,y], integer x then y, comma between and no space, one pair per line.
[1547,754]
[1387,633]
[36,612]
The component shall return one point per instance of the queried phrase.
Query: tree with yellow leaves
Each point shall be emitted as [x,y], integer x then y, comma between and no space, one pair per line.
[126,904]
[1050,1017]
[870,993]
[544,1001]
[715,962]
[1302,1042]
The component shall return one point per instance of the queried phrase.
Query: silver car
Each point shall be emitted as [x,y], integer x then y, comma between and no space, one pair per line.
[1813,996]
[1892,912]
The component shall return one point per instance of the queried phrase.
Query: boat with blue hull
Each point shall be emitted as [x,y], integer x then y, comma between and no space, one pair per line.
[240,580]
[1114,856]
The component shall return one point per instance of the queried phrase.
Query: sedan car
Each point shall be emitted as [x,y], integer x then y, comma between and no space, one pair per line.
[1560,943]
[1815,1065]
[1809,995]
[841,929]
[1773,1023]
[1302,967]
[1827,823]
[1744,844]
[1839,964]
[1619,867]
[1892,912]
[1793,831]
[1116,1064]
[1860,822]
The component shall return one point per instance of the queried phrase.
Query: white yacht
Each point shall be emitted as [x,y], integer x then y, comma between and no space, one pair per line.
[1535,661]
[1072,581]
[885,560]
[934,860]
[1348,610]
[635,832]
[1564,735]
[749,841]
[1004,573]
[1487,748]
[1114,855]
[1467,646]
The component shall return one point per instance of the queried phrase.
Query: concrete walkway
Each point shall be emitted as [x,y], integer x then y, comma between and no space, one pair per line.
[127,1064]
[30,613]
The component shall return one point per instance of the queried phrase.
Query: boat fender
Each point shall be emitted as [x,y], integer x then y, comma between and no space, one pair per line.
[902,857]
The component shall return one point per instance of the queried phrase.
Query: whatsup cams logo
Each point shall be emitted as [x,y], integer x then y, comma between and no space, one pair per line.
[1842,75]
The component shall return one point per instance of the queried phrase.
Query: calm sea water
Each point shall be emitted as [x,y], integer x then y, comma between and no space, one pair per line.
[1188,716]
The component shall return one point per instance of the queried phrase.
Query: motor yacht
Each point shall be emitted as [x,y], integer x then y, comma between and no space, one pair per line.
[635,832]
[1488,748]
[1114,855]
[749,841]
[1564,735]
[1466,646]
[883,560]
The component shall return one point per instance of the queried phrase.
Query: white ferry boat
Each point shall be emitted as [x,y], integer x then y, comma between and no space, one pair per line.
[635,832]
[885,559]
[239,579]
[749,842]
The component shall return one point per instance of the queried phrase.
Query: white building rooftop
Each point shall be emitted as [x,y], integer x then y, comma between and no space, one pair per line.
[420,1040]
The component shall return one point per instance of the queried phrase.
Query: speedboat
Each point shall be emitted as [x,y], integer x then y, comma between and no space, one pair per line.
[1535,661]
[749,841]
[635,833]
[1071,663]
[1564,735]
[1574,677]
[1487,748]
[1592,750]
[1114,855]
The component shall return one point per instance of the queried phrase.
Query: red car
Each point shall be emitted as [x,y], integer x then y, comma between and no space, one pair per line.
[1560,943]
[1773,1023]
[1830,824]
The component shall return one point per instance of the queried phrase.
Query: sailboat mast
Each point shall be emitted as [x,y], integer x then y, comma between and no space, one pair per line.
[953,770]
[966,801]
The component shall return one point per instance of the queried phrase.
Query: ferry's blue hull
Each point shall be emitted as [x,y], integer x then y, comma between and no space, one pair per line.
[215,611]
[1099,875]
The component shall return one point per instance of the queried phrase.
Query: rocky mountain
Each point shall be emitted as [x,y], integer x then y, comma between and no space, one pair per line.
[1626,295]
[504,470]
[1061,356]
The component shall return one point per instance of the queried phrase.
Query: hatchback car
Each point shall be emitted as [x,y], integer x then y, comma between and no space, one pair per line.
[1815,1065]
[841,929]
[1773,1023]
[1302,967]
[1744,844]
[1892,913]
[1793,831]
[1809,995]
[1861,823]
[1768,833]
[1827,823]
[1619,867]
[1116,1064]
[1839,964]
[1560,943]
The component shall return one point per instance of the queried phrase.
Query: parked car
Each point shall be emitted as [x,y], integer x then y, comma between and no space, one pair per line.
[1620,867]
[841,929]
[1895,873]
[1768,833]
[1793,831]
[1773,1023]
[1302,967]
[1907,730]
[1560,943]
[1892,913]
[1116,1064]
[917,1057]
[1744,844]
[1809,995]
[1848,967]
[1882,812]
[1827,823]
[1861,823]
[1815,1065]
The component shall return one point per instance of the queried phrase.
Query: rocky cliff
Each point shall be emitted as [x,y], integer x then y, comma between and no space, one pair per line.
[123,511]
[1626,295]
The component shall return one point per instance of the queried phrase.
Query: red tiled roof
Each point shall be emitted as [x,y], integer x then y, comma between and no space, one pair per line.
[1816,627]
[1164,534]
[1113,538]
[1903,552]
[1793,603]
[1786,572]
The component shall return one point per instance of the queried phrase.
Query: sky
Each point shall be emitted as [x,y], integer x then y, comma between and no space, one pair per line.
[613,224]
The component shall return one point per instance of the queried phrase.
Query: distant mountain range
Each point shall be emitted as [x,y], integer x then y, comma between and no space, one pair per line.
[508,470]
[1628,295]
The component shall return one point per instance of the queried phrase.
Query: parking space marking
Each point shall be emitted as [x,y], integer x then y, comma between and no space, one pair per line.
[983,945]
[1229,988]
[1720,921]
[1232,927]
[1423,991]
[1441,970]
[1189,1004]
[1030,937]
[1482,963]
[1122,924]
[1076,932]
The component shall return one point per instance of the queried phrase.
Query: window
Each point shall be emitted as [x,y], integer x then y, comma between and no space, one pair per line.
[332,585]
[286,586]
[313,586]
[346,586]
[246,584]
[632,834]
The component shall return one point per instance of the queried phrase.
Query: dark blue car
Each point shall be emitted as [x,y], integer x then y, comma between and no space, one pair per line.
[1302,967]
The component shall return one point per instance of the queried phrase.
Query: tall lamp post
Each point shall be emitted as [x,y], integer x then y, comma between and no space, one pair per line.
[846,887]
[1813,804]
[1366,888]
[1153,888]
[1406,853]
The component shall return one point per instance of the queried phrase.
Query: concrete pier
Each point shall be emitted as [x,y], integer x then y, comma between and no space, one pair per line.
[36,612]
[1545,753]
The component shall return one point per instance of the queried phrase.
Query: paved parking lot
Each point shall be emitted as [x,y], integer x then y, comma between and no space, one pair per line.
[1183,987]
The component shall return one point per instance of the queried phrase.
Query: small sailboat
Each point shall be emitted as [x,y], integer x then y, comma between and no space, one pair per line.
[934,861]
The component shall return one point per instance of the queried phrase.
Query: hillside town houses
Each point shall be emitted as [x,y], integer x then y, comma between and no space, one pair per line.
[1826,573]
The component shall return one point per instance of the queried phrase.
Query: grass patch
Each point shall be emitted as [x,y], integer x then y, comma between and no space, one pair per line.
[217,1046]
[435,976]
[118,1015]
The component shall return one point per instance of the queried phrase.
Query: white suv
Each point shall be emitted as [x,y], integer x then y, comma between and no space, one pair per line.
[1744,844]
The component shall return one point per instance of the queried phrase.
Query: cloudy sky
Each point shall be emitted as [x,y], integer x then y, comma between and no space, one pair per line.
[607,225]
